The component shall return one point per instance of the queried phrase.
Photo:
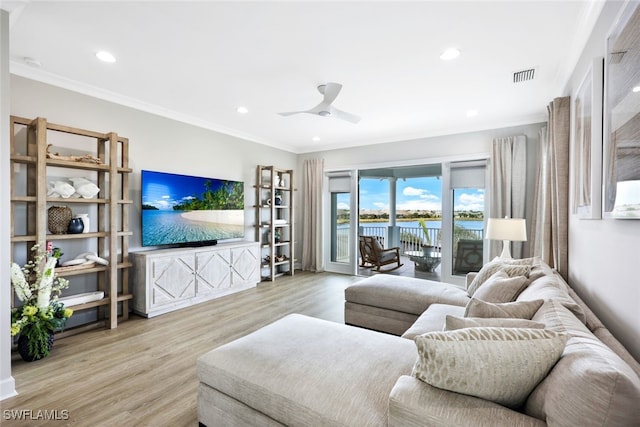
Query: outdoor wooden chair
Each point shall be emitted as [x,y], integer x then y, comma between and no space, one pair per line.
[372,254]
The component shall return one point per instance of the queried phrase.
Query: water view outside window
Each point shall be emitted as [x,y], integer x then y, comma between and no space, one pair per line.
[468,215]
[419,198]
[419,218]
[340,229]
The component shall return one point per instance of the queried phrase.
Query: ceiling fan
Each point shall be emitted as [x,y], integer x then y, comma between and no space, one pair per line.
[325,109]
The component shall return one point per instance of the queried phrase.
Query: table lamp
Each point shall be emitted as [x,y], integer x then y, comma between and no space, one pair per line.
[508,230]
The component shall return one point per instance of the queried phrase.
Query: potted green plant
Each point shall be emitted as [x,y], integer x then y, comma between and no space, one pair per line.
[37,287]
[57,254]
[427,248]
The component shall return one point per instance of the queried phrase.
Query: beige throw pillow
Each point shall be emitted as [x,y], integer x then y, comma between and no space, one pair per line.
[549,288]
[454,322]
[501,288]
[498,364]
[491,268]
[518,309]
[522,261]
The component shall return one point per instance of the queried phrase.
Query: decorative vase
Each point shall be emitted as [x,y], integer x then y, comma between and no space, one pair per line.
[76,226]
[58,219]
[85,222]
[427,251]
[23,349]
[278,200]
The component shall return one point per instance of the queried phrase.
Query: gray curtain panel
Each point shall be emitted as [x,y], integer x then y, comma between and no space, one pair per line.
[550,222]
[312,178]
[508,185]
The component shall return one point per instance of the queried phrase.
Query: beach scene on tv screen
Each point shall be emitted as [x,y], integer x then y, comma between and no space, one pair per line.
[179,209]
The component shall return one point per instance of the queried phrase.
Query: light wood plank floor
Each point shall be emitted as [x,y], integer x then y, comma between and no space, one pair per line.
[144,372]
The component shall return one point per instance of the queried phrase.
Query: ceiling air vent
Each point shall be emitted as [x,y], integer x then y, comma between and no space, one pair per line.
[524,75]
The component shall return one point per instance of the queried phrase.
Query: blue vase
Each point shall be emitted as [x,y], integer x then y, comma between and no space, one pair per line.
[76,226]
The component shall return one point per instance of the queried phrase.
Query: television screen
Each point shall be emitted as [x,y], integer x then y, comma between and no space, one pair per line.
[182,209]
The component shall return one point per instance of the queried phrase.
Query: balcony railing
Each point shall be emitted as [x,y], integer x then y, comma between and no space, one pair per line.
[413,238]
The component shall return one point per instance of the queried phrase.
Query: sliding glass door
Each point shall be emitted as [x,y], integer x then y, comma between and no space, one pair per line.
[341,222]
[463,219]
[434,213]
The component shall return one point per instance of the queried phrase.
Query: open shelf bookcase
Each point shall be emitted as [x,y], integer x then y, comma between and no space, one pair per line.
[33,168]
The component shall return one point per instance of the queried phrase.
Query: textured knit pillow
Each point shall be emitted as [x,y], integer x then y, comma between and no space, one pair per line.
[491,268]
[517,310]
[502,365]
[454,322]
[501,288]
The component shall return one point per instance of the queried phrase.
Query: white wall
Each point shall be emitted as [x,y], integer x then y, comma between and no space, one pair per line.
[463,144]
[7,383]
[604,255]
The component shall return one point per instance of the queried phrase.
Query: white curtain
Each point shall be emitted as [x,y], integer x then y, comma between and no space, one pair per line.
[508,185]
[312,253]
[541,217]
[550,222]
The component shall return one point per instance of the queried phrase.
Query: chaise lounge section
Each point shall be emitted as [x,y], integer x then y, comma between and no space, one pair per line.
[302,371]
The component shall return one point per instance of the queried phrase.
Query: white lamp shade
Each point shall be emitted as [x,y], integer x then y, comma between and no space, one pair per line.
[513,229]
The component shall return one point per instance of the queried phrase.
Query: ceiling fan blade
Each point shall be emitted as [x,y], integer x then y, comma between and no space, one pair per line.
[331,91]
[343,115]
[291,113]
[317,110]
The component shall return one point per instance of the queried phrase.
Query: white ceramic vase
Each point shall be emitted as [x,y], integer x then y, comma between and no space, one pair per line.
[85,220]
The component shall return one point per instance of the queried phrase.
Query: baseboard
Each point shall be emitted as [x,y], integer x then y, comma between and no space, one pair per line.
[7,388]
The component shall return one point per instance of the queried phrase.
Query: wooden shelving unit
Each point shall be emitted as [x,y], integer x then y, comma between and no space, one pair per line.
[109,232]
[275,221]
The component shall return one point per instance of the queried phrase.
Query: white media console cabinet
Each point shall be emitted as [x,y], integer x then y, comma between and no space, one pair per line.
[170,279]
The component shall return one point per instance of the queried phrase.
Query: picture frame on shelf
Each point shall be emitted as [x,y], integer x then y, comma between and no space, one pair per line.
[621,148]
[587,143]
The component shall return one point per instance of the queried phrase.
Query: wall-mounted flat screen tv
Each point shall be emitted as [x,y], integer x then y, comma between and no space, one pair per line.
[190,210]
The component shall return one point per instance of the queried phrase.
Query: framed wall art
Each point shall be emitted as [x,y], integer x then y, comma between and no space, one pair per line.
[587,143]
[622,116]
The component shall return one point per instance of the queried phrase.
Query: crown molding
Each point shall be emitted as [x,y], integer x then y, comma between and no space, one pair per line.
[19,69]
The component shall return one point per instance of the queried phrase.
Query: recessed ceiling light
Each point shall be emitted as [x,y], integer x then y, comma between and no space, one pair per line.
[472,113]
[242,110]
[316,138]
[450,54]
[105,56]
[636,89]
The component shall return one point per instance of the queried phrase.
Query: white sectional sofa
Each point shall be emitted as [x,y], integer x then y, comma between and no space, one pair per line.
[302,371]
